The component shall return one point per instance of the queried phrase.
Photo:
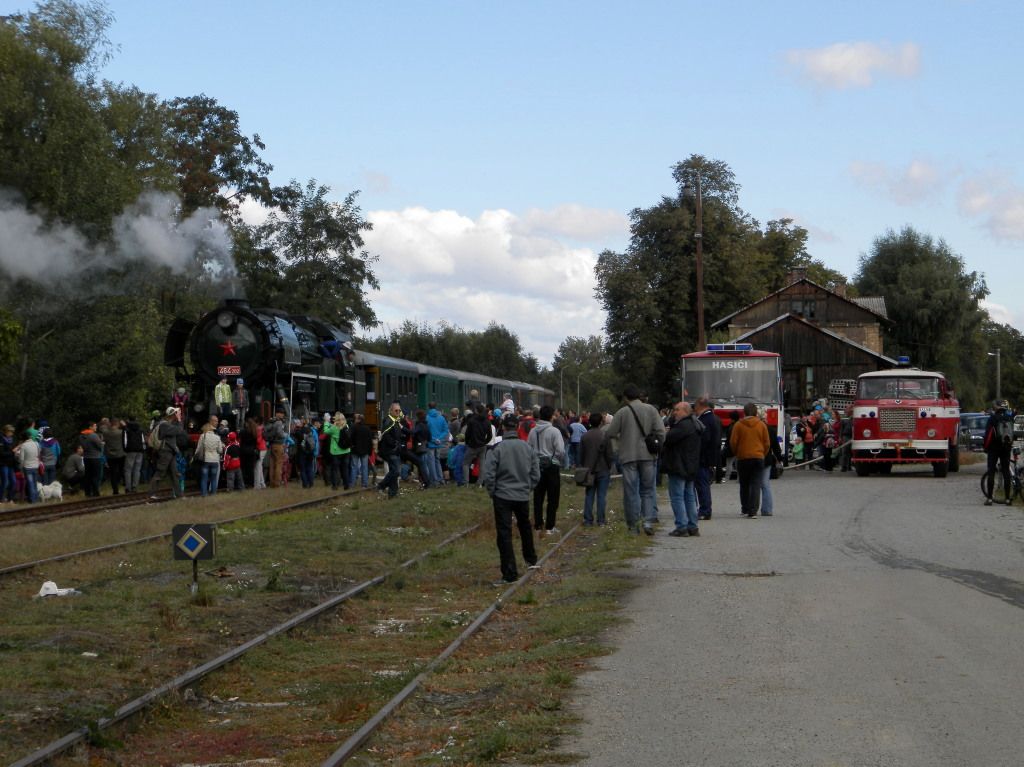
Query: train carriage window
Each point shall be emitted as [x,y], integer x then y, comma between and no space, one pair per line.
[387,387]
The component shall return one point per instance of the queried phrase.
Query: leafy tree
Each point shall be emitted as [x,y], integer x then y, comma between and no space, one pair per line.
[495,352]
[10,336]
[56,145]
[649,292]
[583,362]
[211,154]
[1010,343]
[107,362]
[933,303]
[308,258]
[785,245]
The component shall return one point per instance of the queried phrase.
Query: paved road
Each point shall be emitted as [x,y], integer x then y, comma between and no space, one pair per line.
[874,621]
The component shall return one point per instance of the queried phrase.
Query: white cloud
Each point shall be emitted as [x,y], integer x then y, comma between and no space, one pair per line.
[576,222]
[441,265]
[815,234]
[855,65]
[253,212]
[998,201]
[910,185]
[999,313]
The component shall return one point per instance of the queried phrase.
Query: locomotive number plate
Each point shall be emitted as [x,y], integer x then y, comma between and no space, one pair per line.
[229,370]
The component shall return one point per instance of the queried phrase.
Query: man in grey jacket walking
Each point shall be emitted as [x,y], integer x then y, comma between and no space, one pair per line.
[631,425]
[510,472]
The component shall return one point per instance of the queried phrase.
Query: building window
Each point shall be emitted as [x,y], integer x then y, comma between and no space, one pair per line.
[805,308]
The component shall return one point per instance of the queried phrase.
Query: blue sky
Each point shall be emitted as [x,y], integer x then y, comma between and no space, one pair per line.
[500,147]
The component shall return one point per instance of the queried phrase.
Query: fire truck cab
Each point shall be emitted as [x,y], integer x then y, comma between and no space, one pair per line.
[905,416]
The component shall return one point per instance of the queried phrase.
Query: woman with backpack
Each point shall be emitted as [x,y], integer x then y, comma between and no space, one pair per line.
[340,442]
[49,454]
[233,465]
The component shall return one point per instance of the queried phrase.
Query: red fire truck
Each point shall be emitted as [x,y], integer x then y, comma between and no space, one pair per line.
[905,415]
[730,376]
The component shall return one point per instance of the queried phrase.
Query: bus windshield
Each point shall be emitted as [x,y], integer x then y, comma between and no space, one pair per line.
[898,387]
[732,379]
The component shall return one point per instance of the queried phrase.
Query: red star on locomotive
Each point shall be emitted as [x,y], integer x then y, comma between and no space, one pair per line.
[228,349]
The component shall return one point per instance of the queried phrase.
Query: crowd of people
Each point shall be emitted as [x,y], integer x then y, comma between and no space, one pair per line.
[516,454]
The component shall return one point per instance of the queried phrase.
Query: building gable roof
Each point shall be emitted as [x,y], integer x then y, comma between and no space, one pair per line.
[874,305]
[817,329]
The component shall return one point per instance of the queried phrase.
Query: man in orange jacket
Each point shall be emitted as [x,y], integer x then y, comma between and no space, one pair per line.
[750,444]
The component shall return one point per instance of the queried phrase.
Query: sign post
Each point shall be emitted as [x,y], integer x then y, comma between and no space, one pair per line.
[194,542]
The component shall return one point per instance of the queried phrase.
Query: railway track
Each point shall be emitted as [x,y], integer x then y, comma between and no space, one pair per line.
[47,753]
[24,566]
[47,512]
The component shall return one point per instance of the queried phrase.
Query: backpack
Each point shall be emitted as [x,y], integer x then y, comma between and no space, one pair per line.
[1004,432]
[231,458]
[153,440]
[308,444]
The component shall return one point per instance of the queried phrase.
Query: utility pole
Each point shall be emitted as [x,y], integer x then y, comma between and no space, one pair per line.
[699,237]
[999,389]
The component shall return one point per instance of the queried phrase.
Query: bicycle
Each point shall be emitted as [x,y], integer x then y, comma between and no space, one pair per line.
[1016,481]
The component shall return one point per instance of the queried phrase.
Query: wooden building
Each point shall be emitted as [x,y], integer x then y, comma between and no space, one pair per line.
[821,334]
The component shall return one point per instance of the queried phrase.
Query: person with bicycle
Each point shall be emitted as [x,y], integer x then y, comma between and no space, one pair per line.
[998,445]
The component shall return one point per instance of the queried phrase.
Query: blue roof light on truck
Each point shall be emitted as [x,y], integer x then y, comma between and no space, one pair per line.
[730,348]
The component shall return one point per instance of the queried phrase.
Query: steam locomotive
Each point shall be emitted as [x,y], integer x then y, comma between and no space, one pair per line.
[310,366]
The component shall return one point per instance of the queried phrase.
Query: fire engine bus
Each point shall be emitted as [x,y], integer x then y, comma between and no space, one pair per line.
[730,376]
[905,415]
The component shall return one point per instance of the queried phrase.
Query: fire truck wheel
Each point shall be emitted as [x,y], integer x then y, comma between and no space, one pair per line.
[939,468]
[954,458]
[862,469]
[885,468]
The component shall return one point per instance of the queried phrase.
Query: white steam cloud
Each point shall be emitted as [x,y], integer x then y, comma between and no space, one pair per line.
[147,231]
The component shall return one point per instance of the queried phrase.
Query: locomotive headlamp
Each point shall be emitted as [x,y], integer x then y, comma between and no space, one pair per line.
[226,320]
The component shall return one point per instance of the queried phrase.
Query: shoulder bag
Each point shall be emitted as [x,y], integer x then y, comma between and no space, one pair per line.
[652,441]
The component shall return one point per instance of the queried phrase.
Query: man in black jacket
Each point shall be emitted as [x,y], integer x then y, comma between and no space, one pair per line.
[681,460]
[393,437]
[478,437]
[362,446]
[999,445]
[710,455]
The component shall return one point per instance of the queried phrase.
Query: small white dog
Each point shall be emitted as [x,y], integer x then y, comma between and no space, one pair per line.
[51,492]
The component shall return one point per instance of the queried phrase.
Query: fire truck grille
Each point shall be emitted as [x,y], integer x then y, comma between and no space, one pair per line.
[897,419]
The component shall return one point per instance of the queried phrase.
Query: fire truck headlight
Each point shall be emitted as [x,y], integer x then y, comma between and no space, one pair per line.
[866,433]
[931,433]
